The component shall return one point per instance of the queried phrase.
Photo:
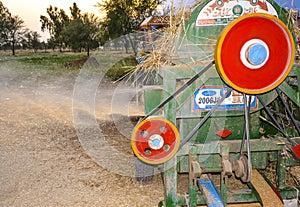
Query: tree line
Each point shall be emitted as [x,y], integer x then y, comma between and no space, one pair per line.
[13,33]
[77,31]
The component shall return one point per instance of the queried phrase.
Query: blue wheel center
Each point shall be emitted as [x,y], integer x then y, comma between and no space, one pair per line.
[257,54]
[156,142]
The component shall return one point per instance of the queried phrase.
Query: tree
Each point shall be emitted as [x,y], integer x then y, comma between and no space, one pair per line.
[75,12]
[35,42]
[82,30]
[92,28]
[51,43]
[124,16]
[73,31]
[15,32]
[4,21]
[79,31]
[32,40]
[74,34]
[55,24]
[11,29]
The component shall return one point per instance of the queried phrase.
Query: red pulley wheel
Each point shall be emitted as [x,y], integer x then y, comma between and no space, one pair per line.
[255,53]
[155,140]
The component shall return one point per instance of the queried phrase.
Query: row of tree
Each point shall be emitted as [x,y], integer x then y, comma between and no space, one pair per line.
[13,33]
[77,31]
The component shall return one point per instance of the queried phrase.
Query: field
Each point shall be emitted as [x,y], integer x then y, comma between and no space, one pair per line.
[45,159]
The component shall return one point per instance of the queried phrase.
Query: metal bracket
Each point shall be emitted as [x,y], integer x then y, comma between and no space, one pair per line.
[195,168]
[226,164]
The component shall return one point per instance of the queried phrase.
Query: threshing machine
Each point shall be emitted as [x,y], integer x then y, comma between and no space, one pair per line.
[226,108]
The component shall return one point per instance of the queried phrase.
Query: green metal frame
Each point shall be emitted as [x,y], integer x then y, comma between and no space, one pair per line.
[216,148]
[207,152]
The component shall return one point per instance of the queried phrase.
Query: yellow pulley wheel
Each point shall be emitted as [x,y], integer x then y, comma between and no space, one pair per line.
[255,53]
[155,140]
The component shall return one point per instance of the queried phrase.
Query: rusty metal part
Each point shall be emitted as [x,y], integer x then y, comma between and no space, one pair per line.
[196,169]
[227,167]
[238,168]
[247,169]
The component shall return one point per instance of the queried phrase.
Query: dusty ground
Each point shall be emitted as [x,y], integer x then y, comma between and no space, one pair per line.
[42,162]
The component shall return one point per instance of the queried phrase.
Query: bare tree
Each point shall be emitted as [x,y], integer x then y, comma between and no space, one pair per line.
[15,32]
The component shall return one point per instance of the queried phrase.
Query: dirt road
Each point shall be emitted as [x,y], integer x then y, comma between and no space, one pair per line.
[42,162]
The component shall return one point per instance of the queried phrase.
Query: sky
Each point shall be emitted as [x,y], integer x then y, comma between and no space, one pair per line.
[30,10]
[294,4]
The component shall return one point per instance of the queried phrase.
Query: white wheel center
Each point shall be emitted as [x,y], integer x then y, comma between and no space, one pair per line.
[156,142]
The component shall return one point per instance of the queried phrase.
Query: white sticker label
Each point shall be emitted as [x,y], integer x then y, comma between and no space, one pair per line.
[206,97]
[222,12]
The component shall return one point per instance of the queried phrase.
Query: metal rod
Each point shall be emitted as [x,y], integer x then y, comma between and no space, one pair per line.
[288,111]
[204,119]
[247,113]
[275,121]
[243,142]
[179,90]
[244,134]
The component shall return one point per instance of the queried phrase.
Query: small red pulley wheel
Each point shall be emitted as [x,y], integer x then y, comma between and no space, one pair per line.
[255,53]
[155,140]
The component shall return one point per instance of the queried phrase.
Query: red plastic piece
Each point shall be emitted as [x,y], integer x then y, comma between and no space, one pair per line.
[224,133]
[296,150]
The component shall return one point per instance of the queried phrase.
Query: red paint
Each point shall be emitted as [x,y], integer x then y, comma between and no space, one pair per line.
[255,28]
[153,127]
[224,133]
[296,150]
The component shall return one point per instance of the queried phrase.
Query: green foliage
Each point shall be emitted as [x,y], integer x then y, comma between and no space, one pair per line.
[75,12]
[48,59]
[32,40]
[92,28]
[12,31]
[79,31]
[4,21]
[87,38]
[122,68]
[125,16]
[55,24]
[15,32]
[73,38]
[42,65]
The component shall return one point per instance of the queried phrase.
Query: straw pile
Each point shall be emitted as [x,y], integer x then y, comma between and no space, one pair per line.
[293,16]
[164,49]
